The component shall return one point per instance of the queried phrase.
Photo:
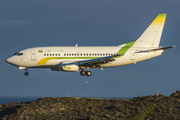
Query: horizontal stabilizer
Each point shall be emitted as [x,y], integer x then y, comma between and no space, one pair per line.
[151,50]
[161,48]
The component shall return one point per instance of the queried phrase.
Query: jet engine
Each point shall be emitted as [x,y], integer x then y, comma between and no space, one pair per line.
[69,67]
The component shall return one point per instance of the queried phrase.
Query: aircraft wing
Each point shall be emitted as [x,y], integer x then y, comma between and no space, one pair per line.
[95,62]
[98,61]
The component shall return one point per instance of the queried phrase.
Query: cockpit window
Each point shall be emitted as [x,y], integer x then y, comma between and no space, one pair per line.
[18,53]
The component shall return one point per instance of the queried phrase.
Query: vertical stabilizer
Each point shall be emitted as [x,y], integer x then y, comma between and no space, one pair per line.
[152,35]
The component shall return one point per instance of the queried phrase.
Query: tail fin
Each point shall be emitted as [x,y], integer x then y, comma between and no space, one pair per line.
[152,35]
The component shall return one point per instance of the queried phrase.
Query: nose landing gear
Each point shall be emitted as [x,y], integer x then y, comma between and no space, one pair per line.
[26,73]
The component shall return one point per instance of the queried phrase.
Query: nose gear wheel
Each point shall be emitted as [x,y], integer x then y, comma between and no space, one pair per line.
[26,73]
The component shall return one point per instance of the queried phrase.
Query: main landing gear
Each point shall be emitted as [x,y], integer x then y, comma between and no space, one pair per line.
[87,73]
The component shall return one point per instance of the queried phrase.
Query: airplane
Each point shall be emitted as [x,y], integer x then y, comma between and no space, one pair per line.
[75,58]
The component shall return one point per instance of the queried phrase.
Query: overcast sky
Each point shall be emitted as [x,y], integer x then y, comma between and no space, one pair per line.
[34,23]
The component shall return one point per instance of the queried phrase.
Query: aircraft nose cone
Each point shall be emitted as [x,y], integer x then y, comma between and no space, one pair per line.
[9,60]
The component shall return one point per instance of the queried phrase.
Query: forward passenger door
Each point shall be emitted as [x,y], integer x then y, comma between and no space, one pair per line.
[33,54]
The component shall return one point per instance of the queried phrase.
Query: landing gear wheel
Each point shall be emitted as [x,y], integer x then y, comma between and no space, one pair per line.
[26,73]
[83,73]
[88,73]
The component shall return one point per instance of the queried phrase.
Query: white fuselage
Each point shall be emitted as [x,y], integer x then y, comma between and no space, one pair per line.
[50,57]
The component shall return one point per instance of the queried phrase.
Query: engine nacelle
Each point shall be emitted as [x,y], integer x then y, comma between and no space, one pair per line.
[70,68]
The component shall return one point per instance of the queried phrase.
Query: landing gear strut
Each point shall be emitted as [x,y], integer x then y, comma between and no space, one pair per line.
[26,73]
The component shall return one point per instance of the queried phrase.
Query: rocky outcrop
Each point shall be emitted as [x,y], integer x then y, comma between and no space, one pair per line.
[176,94]
[147,107]
[28,110]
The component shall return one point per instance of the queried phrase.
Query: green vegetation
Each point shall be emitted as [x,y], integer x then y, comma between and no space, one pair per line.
[140,108]
[145,113]
[43,114]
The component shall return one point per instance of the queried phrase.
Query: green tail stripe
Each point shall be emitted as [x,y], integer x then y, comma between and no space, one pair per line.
[124,49]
